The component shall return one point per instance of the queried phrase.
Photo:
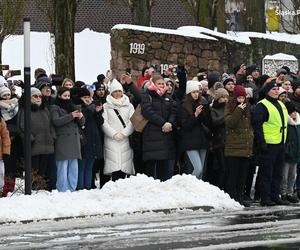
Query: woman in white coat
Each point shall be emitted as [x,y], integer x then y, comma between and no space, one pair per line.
[118,155]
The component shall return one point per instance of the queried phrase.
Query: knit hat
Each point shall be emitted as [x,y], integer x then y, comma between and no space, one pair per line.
[249,92]
[220,92]
[251,69]
[192,86]
[282,90]
[227,81]
[100,78]
[3,82]
[272,84]
[290,107]
[100,86]
[280,71]
[115,85]
[83,92]
[42,82]
[35,91]
[295,85]
[239,90]
[4,90]
[288,70]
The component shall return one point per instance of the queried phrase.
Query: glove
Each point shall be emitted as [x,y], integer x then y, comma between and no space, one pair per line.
[5,157]
[167,127]
[119,136]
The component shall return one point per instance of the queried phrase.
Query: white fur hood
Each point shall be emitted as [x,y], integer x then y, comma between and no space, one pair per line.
[292,122]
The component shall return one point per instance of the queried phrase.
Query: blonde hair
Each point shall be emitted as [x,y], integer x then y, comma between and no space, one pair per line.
[67,80]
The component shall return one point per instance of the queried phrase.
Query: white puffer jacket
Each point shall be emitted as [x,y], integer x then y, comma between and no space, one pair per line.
[118,155]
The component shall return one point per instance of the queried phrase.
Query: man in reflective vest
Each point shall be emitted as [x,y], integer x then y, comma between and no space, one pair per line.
[270,126]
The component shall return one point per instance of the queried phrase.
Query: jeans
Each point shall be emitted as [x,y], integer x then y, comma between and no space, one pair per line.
[85,173]
[197,158]
[289,173]
[67,175]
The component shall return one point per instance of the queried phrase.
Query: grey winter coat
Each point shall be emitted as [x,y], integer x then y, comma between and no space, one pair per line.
[42,132]
[67,144]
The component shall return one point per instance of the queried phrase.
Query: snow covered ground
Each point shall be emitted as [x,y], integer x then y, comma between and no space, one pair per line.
[137,193]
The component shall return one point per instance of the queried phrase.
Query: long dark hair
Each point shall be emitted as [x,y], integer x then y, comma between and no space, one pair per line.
[233,103]
[190,104]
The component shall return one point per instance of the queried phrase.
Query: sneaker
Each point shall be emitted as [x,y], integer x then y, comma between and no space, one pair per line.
[279,201]
[267,202]
[292,198]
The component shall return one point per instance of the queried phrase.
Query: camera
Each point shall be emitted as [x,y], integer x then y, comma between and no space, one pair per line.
[15,72]
[4,67]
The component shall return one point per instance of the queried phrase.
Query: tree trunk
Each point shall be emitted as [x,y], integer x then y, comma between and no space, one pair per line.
[220,16]
[141,12]
[255,13]
[65,11]
[204,14]
[1,43]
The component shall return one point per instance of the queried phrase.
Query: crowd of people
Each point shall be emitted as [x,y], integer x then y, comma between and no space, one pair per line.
[239,131]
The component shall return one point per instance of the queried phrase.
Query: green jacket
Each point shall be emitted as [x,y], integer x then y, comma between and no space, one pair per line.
[293,141]
[239,133]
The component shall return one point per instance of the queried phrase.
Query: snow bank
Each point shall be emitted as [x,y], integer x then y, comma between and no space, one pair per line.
[137,193]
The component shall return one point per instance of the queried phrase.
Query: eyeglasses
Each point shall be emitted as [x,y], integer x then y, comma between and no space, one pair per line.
[37,96]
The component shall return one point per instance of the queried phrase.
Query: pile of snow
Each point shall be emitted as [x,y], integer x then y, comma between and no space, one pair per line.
[137,193]
[92,54]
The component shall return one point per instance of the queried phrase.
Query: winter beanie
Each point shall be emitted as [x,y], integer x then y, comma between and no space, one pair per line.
[220,92]
[295,85]
[288,70]
[282,90]
[239,90]
[35,91]
[115,85]
[192,86]
[290,107]
[280,71]
[227,81]
[83,92]
[272,84]
[4,91]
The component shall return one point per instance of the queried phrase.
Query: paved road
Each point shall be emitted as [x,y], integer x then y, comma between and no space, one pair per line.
[254,228]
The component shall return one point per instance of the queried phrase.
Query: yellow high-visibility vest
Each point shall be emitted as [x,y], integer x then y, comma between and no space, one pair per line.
[274,128]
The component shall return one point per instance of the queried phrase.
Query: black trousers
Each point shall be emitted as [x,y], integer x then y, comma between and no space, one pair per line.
[237,171]
[271,164]
[162,169]
[117,175]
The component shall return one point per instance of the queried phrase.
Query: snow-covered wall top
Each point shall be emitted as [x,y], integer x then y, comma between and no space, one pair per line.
[194,47]
[204,33]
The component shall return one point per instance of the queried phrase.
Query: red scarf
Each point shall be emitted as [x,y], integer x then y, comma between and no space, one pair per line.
[158,90]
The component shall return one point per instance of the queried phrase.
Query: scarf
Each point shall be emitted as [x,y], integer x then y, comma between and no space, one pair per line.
[65,104]
[158,90]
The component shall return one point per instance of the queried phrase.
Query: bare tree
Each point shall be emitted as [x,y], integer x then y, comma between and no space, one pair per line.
[140,10]
[290,23]
[255,16]
[207,13]
[11,14]
[61,17]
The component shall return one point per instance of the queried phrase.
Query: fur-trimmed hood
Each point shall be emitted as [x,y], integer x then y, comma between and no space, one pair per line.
[292,122]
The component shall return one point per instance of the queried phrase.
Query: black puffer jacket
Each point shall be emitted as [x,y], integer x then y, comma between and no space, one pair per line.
[194,133]
[158,110]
